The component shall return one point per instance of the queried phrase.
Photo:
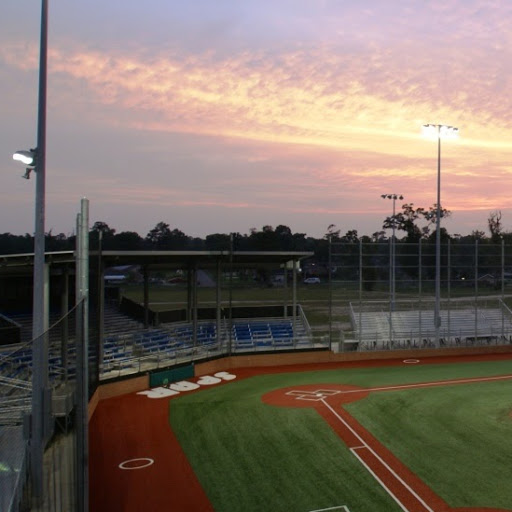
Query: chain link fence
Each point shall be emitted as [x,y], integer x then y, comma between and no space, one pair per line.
[393,285]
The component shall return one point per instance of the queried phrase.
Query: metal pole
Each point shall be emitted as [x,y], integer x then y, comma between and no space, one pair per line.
[420,306]
[437,312]
[393,264]
[40,409]
[476,290]
[64,302]
[195,322]
[502,287]
[390,275]
[330,293]
[230,339]
[294,302]
[360,291]
[101,302]
[145,274]
[218,305]
[82,354]
[285,289]
[390,293]
[448,288]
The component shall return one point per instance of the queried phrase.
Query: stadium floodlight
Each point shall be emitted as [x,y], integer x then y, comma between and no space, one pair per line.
[25,157]
[392,251]
[28,158]
[438,131]
[434,131]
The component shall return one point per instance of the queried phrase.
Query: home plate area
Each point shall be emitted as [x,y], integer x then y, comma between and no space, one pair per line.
[313,396]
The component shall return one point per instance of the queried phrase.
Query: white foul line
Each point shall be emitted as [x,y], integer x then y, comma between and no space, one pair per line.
[365,445]
[428,384]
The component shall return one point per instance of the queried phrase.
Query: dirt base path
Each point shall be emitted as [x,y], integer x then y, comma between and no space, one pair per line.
[399,482]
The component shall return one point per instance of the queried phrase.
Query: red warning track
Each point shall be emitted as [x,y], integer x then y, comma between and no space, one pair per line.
[399,482]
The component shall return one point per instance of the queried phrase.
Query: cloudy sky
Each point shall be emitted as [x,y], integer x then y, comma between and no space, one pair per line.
[220,116]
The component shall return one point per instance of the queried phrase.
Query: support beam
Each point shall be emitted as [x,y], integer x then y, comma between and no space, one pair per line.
[145,274]
[218,302]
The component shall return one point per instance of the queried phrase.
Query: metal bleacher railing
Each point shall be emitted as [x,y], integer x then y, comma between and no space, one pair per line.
[411,324]
[145,349]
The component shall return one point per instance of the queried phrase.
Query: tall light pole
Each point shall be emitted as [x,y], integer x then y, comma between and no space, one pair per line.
[439,131]
[392,251]
[35,159]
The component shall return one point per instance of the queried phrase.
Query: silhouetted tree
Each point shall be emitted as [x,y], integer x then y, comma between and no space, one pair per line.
[407,219]
[107,235]
[495,226]
[128,241]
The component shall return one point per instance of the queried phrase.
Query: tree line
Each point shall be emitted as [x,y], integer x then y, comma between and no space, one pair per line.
[411,224]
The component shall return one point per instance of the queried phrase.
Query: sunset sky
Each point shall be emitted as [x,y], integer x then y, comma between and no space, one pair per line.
[220,116]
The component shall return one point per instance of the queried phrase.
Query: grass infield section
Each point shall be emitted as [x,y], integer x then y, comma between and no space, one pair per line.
[251,456]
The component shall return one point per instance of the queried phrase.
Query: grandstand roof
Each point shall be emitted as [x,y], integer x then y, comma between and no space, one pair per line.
[18,264]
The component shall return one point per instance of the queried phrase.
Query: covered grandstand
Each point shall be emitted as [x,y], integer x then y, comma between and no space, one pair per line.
[122,340]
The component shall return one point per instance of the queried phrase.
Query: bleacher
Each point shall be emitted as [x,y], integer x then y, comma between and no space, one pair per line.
[129,348]
[461,326]
[272,333]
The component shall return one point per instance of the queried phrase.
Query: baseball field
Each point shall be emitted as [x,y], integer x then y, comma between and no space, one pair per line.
[432,435]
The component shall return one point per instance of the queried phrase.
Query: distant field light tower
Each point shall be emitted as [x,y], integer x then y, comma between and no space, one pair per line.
[439,131]
[392,250]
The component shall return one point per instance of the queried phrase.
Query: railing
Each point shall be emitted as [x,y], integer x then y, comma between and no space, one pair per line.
[304,320]
[464,322]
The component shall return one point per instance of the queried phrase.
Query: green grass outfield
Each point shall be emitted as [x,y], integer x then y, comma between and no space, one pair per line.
[250,456]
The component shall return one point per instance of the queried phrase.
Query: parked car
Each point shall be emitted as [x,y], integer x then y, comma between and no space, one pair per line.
[311,280]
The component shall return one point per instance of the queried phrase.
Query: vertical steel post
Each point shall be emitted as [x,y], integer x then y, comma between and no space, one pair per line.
[330,292]
[390,292]
[393,262]
[40,407]
[448,288]
[502,287]
[360,291]
[285,291]
[437,312]
[230,339]
[294,302]
[101,303]
[476,290]
[145,276]
[64,303]
[195,323]
[82,351]
[218,306]
[420,277]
